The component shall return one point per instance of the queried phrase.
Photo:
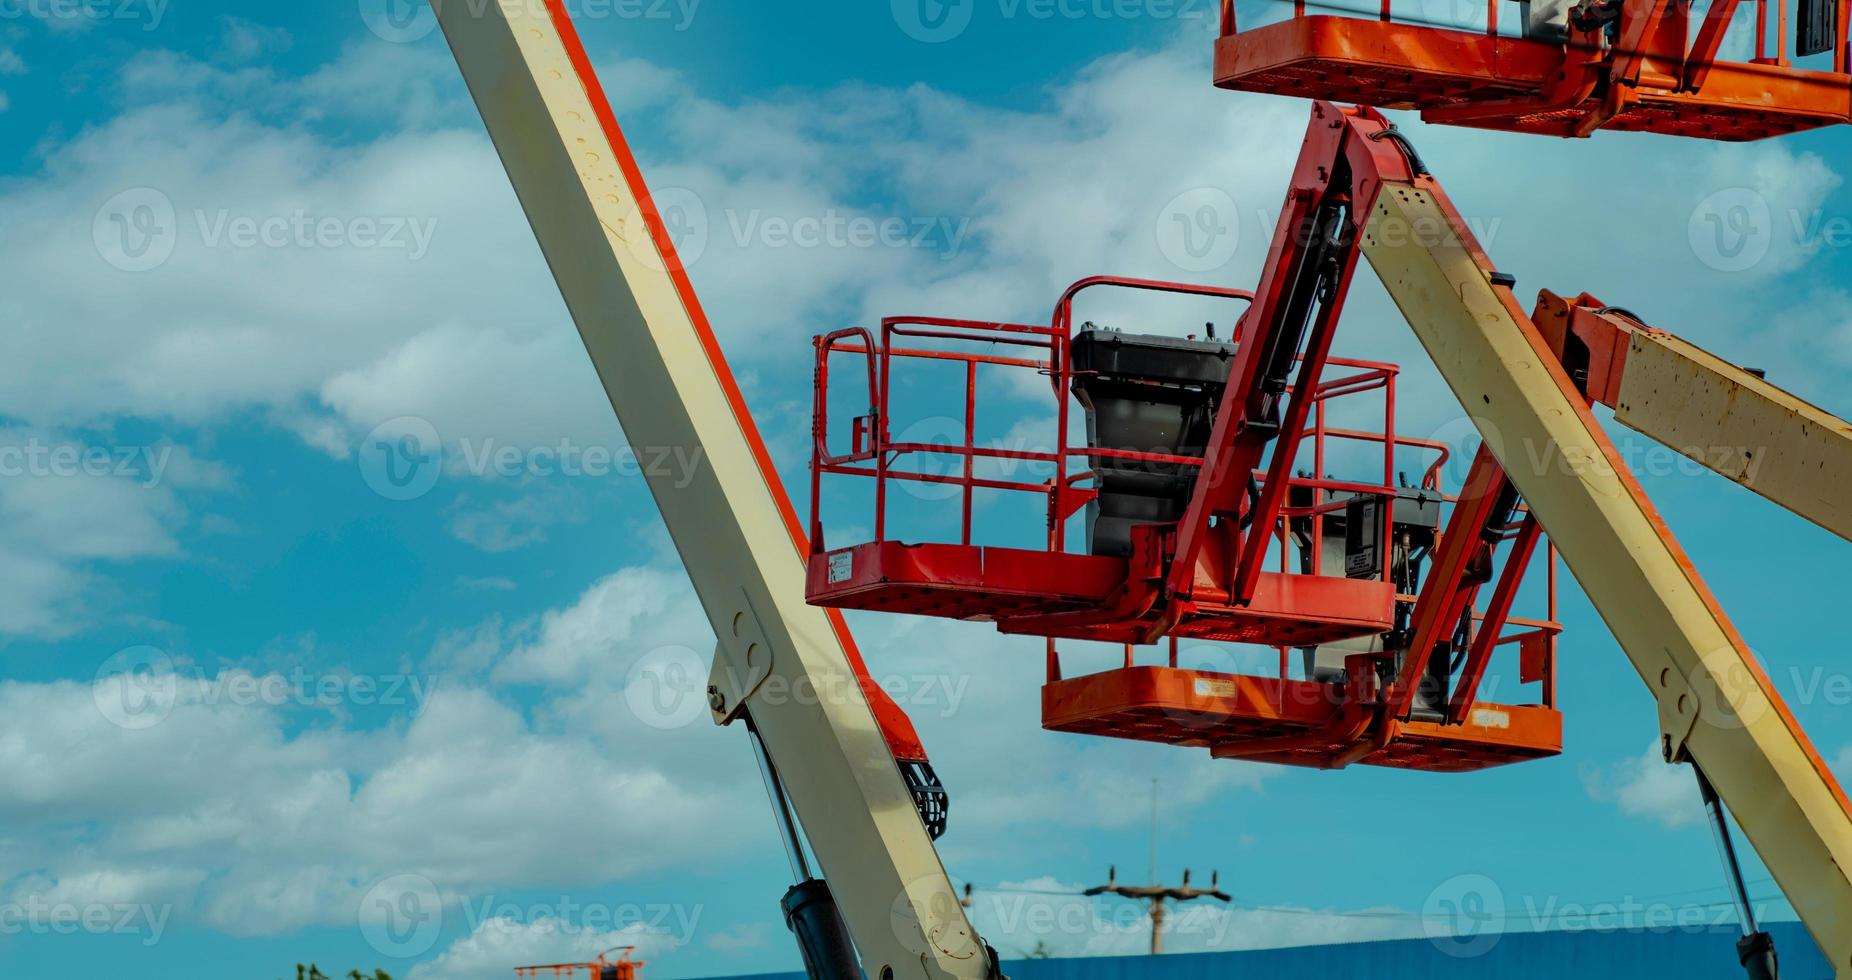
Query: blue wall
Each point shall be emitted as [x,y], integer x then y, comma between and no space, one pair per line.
[1546,956]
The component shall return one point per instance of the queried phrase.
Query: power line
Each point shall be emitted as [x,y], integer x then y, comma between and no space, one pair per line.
[1237,905]
[1158,895]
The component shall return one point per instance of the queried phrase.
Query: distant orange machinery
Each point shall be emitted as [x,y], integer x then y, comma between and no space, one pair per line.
[602,968]
[1572,67]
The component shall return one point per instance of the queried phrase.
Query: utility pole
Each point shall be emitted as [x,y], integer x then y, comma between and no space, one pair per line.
[1158,895]
[1152,870]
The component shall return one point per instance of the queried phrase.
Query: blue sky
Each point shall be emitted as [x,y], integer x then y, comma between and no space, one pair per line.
[441,693]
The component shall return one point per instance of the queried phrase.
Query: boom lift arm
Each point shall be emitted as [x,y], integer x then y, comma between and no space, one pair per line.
[731,521]
[1726,417]
[1717,707]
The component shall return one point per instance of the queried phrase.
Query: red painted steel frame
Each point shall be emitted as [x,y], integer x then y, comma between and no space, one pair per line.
[1342,164]
[1450,590]
[1479,655]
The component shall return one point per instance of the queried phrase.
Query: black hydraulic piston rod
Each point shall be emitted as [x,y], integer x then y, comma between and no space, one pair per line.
[809,909]
[1756,949]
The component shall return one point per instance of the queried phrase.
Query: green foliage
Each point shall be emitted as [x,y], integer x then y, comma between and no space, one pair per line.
[313,972]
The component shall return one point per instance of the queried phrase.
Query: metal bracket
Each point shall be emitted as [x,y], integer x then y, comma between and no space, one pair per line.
[742,663]
[1678,714]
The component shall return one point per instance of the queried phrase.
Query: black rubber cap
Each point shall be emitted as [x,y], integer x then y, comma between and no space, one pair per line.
[1757,954]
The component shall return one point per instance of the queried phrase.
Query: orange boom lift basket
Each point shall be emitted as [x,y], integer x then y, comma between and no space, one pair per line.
[1564,68]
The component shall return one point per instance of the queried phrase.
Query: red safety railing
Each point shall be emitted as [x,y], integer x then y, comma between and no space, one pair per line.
[873,454]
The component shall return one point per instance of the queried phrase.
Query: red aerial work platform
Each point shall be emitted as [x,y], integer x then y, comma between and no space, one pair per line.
[1195,533]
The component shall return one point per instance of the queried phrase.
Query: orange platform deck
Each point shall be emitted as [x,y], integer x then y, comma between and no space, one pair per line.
[1007,585]
[1406,66]
[1206,710]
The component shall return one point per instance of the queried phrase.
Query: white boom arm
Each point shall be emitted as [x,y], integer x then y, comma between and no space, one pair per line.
[1716,705]
[666,378]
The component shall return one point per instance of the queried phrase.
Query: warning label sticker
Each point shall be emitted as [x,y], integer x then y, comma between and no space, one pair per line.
[842,567]
[1485,718]
[1208,687]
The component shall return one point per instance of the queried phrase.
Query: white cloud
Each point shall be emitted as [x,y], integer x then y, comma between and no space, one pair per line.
[407,86]
[470,651]
[404,85]
[469,384]
[10,64]
[220,326]
[470,769]
[39,596]
[243,40]
[1647,788]
[741,940]
[113,886]
[636,609]
[188,810]
[509,525]
[71,508]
